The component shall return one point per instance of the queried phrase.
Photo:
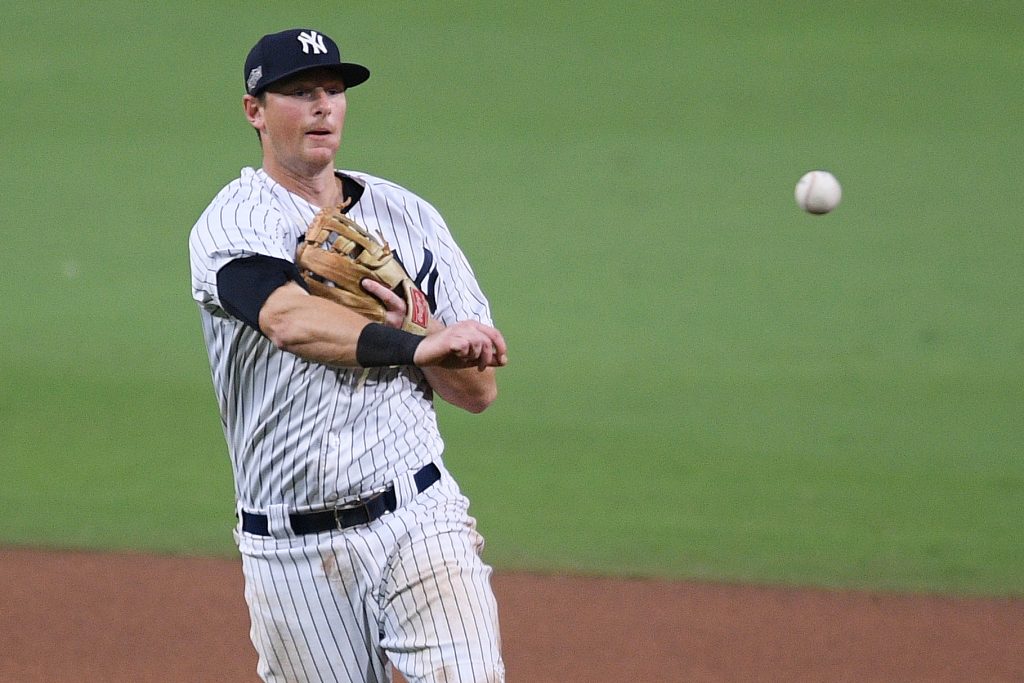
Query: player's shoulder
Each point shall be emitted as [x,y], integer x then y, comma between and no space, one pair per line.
[385,192]
[250,187]
[242,214]
[246,194]
[387,189]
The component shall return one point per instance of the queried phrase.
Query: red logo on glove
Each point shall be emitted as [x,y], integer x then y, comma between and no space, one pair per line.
[420,310]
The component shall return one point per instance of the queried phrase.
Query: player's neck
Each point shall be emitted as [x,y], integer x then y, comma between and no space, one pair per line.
[321,189]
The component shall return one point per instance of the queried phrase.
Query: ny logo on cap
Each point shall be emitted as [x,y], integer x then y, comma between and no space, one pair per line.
[314,40]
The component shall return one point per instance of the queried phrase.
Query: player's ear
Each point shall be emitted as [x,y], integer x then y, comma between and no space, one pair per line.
[253,108]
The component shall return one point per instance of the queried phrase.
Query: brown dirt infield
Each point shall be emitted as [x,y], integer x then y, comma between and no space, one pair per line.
[75,616]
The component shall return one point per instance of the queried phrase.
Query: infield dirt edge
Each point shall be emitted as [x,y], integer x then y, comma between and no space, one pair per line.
[89,616]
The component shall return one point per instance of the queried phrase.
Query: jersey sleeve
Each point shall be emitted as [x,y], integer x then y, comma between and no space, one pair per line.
[239,223]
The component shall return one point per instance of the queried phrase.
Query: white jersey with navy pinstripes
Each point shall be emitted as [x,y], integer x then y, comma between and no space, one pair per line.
[300,433]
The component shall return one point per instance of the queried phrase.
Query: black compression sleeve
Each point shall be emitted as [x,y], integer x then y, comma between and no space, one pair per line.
[381,346]
[244,285]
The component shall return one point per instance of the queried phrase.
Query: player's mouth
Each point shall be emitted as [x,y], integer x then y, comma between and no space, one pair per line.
[319,133]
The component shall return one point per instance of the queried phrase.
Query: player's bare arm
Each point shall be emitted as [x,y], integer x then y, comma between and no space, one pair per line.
[324,332]
[311,327]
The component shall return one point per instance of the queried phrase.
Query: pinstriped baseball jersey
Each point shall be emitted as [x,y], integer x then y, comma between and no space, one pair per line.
[301,434]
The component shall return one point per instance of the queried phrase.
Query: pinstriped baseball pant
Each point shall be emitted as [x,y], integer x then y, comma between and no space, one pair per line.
[408,589]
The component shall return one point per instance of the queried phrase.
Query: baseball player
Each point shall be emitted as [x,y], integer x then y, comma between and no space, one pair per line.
[357,548]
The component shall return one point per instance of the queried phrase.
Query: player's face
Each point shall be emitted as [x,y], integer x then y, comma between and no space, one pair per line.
[301,119]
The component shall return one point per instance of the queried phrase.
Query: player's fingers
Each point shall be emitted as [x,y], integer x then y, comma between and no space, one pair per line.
[474,348]
[495,351]
[394,305]
[474,344]
[487,358]
[461,346]
[496,348]
[483,351]
[499,346]
[391,300]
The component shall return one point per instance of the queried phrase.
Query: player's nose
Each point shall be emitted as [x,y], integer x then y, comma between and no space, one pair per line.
[321,101]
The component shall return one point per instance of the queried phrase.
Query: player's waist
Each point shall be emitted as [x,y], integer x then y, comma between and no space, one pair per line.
[362,510]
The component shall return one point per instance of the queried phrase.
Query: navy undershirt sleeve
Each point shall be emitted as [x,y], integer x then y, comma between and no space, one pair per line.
[245,284]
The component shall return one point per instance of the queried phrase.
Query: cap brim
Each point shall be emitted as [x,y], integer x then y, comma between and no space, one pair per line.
[352,74]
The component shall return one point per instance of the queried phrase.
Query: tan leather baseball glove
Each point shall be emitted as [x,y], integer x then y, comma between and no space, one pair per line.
[335,256]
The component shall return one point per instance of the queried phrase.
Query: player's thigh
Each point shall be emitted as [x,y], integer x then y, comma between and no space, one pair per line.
[440,620]
[311,620]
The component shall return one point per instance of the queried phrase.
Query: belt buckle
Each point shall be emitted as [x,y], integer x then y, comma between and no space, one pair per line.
[356,504]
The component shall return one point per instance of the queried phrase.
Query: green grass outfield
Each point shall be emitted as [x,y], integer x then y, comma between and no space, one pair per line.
[704,381]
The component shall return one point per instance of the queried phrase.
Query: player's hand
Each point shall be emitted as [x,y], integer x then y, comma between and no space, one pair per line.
[465,344]
[395,305]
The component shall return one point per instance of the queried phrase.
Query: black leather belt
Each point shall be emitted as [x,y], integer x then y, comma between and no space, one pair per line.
[361,512]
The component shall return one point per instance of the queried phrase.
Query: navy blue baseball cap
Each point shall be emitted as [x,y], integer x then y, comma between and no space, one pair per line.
[279,55]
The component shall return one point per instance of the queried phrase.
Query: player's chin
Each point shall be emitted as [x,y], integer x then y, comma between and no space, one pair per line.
[326,142]
[320,152]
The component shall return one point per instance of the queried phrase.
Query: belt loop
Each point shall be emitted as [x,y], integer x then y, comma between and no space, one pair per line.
[278,523]
[405,488]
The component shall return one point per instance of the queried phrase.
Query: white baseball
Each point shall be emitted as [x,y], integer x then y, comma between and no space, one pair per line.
[818,192]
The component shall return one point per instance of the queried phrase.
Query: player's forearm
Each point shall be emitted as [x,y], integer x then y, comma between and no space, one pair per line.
[322,331]
[468,388]
[312,328]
